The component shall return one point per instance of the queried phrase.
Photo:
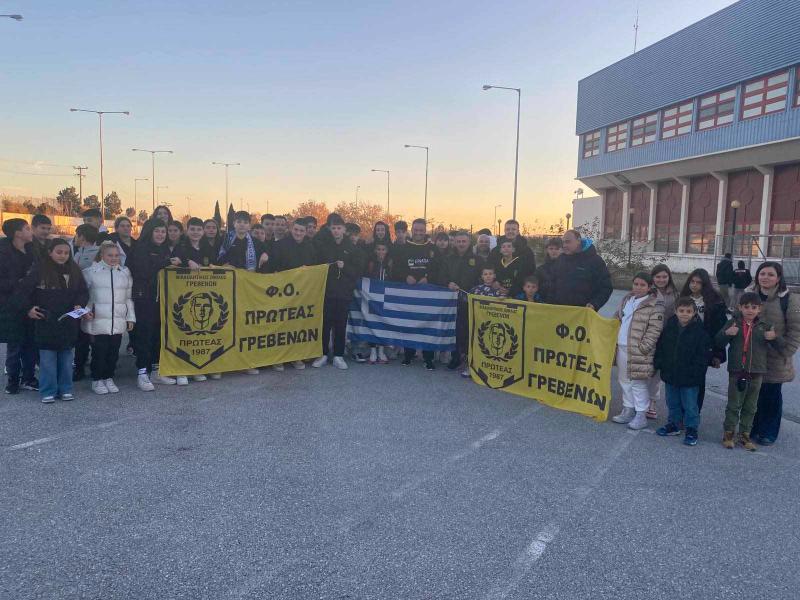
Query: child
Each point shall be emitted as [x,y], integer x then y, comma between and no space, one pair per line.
[174,236]
[545,272]
[259,233]
[111,302]
[84,245]
[509,269]
[487,288]
[52,288]
[240,250]
[378,268]
[681,359]
[747,362]
[530,290]
[642,319]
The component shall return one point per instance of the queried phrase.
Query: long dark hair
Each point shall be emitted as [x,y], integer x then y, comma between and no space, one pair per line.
[387,229]
[146,236]
[166,208]
[52,273]
[778,269]
[710,295]
[662,268]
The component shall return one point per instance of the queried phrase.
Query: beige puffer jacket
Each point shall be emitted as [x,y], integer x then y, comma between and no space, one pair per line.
[780,362]
[646,326]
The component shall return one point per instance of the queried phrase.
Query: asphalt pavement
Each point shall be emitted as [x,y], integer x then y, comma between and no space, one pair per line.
[380,482]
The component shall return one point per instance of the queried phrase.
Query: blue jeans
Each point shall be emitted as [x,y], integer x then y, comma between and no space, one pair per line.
[20,358]
[767,422]
[55,372]
[682,405]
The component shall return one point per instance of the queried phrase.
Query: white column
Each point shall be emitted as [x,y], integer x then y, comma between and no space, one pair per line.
[722,202]
[602,214]
[684,213]
[766,207]
[651,223]
[626,218]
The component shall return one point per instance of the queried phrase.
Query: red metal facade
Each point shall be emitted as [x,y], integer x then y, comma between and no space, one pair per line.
[702,215]
[668,216]
[640,203]
[612,216]
[785,217]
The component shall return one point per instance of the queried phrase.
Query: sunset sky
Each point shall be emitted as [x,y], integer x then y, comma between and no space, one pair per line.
[309,96]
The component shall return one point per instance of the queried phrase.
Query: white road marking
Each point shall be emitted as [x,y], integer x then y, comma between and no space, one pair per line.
[71,432]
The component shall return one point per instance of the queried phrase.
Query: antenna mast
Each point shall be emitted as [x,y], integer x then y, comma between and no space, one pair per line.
[636,29]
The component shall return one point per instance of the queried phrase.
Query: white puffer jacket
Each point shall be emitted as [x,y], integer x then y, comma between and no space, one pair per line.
[109,299]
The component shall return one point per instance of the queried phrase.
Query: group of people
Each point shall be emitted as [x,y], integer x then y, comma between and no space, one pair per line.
[62,301]
[674,337]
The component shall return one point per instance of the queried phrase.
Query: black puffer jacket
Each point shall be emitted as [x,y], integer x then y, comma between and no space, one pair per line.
[341,282]
[683,353]
[546,274]
[464,271]
[288,254]
[147,261]
[14,265]
[521,249]
[54,301]
[581,279]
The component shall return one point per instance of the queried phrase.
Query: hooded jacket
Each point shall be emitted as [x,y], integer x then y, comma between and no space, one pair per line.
[780,361]
[147,260]
[725,272]
[14,265]
[521,249]
[752,358]
[110,299]
[464,271]
[288,254]
[341,281]
[683,353]
[646,326]
[510,275]
[581,278]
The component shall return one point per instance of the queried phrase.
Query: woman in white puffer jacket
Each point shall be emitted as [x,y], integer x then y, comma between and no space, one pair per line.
[110,301]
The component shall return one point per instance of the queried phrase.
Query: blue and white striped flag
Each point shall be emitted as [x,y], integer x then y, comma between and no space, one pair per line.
[418,316]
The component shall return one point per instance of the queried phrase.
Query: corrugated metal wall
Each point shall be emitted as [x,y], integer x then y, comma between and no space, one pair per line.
[749,38]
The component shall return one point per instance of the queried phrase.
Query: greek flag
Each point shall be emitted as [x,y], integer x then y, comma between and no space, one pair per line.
[395,314]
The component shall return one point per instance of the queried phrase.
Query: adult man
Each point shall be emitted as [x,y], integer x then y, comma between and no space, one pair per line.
[413,261]
[520,244]
[581,276]
[280,227]
[15,330]
[345,266]
[725,277]
[483,247]
[40,226]
[462,270]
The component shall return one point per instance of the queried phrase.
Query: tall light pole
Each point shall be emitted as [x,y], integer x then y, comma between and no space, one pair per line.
[735,206]
[80,175]
[136,195]
[495,217]
[427,152]
[161,187]
[516,156]
[387,185]
[226,165]
[153,167]
[358,187]
[100,114]
[569,216]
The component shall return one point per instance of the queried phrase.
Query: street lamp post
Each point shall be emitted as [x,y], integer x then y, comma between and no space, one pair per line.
[161,187]
[100,114]
[226,165]
[495,217]
[516,155]
[358,187]
[427,154]
[735,206]
[569,216]
[136,195]
[153,166]
[387,185]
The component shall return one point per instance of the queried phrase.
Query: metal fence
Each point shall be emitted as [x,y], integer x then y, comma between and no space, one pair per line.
[755,249]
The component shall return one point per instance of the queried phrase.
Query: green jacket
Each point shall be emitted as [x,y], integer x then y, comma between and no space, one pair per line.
[756,361]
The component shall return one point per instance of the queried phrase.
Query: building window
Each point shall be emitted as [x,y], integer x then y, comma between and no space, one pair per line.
[677,120]
[747,187]
[617,137]
[765,95]
[612,216]
[591,144]
[797,87]
[716,109]
[644,129]
[701,218]
[784,239]
[668,216]
[640,219]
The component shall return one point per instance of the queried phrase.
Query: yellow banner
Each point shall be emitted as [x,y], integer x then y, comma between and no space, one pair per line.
[558,355]
[216,320]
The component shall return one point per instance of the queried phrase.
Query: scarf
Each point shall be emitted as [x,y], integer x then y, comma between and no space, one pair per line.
[250,254]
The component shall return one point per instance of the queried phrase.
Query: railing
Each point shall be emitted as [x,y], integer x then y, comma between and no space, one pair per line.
[753,248]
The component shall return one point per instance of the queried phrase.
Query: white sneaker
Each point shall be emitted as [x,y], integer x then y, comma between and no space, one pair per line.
[111,386]
[278,367]
[252,371]
[382,358]
[373,356]
[338,362]
[99,387]
[639,421]
[163,379]
[199,377]
[216,376]
[299,365]
[182,380]
[625,416]
[144,383]
[320,362]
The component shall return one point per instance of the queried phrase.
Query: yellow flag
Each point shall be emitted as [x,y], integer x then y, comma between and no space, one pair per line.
[221,319]
[558,355]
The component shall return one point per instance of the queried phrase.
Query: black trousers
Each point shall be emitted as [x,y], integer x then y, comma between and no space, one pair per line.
[105,352]
[82,350]
[462,328]
[427,355]
[148,333]
[334,320]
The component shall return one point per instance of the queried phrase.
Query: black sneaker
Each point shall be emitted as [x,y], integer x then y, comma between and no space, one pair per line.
[359,358]
[429,366]
[691,437]
[12,387]
[78,374]
[406,361]
[670,429]
[454,363]
[31,384]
